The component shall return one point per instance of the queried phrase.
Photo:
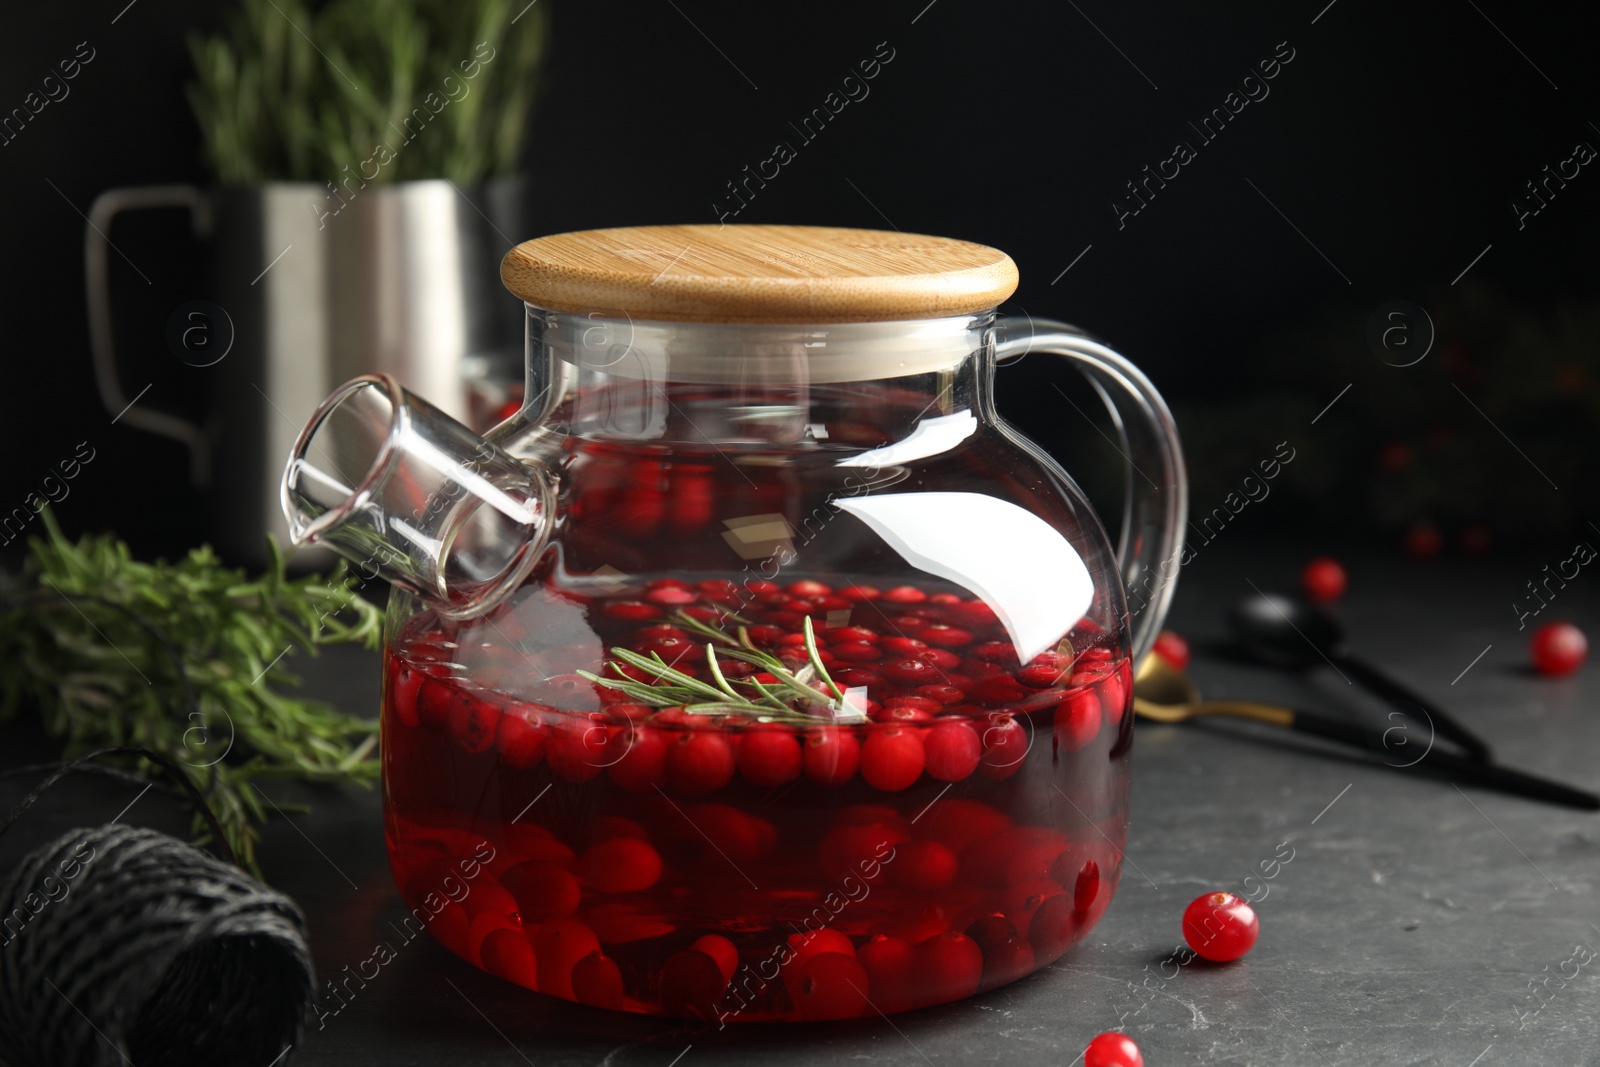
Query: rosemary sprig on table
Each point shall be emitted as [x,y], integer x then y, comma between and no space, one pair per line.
[792,697]
[185,659]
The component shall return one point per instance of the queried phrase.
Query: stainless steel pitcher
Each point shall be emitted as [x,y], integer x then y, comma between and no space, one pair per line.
[312,286]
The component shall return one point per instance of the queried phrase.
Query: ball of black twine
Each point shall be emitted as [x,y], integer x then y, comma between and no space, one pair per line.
[123,945]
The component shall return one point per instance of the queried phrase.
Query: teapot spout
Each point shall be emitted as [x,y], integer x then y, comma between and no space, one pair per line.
[407,493]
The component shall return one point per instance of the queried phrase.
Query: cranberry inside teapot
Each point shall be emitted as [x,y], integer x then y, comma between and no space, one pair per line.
[966,832]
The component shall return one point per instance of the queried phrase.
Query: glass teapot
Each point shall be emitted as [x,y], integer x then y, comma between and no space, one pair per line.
[755,669]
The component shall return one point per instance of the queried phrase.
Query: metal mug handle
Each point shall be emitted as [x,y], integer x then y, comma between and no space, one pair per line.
[96,263]
[1156,502]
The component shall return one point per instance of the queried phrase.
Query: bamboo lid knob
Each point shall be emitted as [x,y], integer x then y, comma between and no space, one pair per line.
[758,274]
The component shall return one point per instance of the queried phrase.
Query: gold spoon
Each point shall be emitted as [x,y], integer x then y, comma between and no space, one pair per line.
[1166,695]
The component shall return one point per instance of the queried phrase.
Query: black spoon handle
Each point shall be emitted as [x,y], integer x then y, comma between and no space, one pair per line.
[1395,693]
[1460,768]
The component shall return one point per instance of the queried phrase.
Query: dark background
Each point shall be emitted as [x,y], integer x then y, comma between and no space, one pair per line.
[1394,143]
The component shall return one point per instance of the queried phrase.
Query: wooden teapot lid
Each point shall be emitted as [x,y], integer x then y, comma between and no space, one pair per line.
[758,274]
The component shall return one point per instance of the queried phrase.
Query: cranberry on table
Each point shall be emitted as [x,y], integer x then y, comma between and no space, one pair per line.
[1220,927]
[1172,648]
[1112,1050]
[1558,649]
[1324,579]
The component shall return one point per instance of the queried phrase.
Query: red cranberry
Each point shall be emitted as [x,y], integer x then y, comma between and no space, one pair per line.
[769,758]
[901,714]
[902,646]
[952,749]
[892,759]
[1558,649]
[765,636]
[405,682]
[578,748]
[860,593]
[943,636]
[1086,886]
[831,985]
[810,588]
[597,981]
[670,649]
[998,690]
[520,738]
[722,951]
[858,678]
[660,630]
[700,762]
[691,985]
[1324,579]
[1423,541]
[942,658]
[632,611]
[643,764]
[473,722]
[831,755]
[1005,744]
[545,891]
[846,634]
[1220,927]
[557,947]
[620,865]
[856,652]
[923,866]
[1042,676]
[950,966]
[944,694]
[1078,720]
[1112,1049]
[860,851]
[994,652]
[889,964]
[505,952]
[905,594]
[671,596]
[1114,692]
[1172,648]
[909,672]
[958,823]
[1053,928]
[433,703]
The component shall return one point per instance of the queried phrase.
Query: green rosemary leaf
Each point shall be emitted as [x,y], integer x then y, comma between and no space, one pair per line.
[639,691]
[816,660]
[186,658]
[658,667]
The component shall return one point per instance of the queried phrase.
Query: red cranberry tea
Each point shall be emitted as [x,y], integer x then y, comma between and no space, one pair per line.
[754,802]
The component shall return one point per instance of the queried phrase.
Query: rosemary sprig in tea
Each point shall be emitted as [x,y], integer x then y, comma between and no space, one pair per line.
[792,697]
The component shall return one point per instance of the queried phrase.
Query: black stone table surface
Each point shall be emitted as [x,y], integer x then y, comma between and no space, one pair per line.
[1416,922]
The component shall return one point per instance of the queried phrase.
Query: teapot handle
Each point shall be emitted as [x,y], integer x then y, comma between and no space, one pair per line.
[1157,498]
